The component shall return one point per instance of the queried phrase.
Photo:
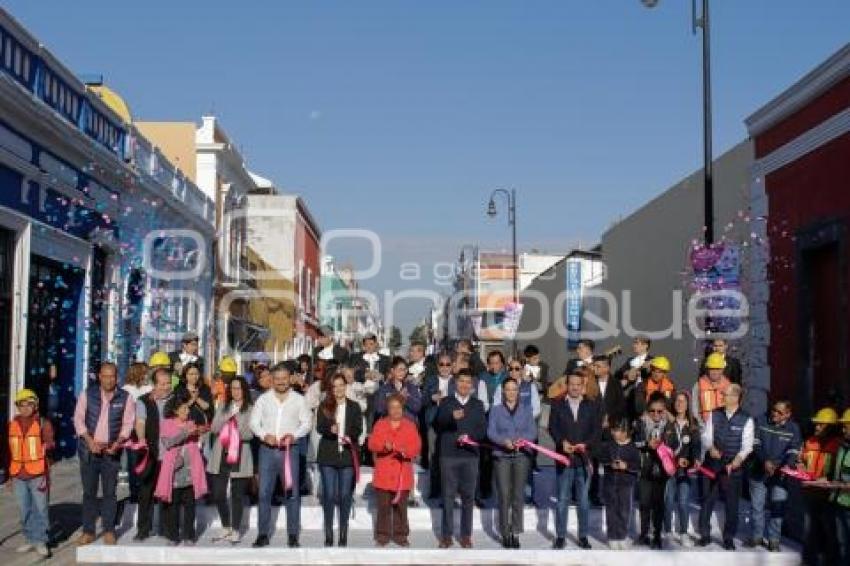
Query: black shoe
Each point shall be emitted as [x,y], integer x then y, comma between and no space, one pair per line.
[262,540]
[293,541]
[343,536]
[140,537]
[329,539]
[583,543]
[507,541]
[559,543]
[751,543]
[643,540]
[515,541]
[656,543]
[773,546]
[728,545]
[704,541]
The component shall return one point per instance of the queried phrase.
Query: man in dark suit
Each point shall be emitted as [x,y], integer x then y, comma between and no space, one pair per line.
[327,349]
[633,372]
[584,356]
[612,403]
[732,371]
[574,426]
[188,353]
[369,359]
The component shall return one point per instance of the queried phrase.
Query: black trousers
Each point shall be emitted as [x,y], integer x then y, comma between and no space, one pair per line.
[230,510]
[485,479]
[651,499]
[182,500]
[618,496]
[730,487]
[147,503]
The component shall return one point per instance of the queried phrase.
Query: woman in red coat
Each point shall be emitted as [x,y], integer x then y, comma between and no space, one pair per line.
[395,443]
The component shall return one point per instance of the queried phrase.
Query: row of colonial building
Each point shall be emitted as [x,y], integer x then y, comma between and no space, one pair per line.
[118,236]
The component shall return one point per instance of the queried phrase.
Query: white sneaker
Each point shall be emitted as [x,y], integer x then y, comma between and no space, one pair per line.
[24,548]
[42,550]
[224,537]
[613,544]
[235,537]
[676,537]
[687,541]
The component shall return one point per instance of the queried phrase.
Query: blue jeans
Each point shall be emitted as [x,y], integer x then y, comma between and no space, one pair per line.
[567,478]
[271,471]
[99,470]
[337,490]
[32,504]
[771,494]
[678,495]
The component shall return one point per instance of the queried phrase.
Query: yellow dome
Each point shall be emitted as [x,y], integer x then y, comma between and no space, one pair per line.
[113,100]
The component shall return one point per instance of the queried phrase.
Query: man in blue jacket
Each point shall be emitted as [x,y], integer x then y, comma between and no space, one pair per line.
[459,416]
[777,443]
[575,427]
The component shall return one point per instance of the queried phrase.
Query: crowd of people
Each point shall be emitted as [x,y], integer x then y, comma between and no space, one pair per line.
[616,437]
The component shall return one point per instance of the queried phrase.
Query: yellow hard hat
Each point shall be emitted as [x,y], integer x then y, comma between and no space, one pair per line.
[827,415]
[159,359]
[715,361]
[227,365]
[25,395]
[845,417]
[660,362]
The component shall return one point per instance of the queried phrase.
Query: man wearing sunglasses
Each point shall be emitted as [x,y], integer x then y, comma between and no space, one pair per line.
[777,443]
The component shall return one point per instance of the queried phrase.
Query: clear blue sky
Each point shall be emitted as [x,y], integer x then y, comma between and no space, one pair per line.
[401,116]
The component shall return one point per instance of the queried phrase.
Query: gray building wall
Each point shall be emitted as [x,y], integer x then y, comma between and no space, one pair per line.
[647,254]
[552,345]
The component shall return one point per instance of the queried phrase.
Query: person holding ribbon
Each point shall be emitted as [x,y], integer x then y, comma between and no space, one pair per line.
[777,445]
[340,423]
[103,420]
[231,460]
[682,436]
[461,426]
[280,418]
[575,427]
[181,475]
[649,435]
[621,460]
[510,427]
[727,441]
[395,443]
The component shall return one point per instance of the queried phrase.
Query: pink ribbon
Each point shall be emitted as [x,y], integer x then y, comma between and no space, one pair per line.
[287,469]
[522,443]
[710,474]
[801,475]
[141,446]
[464,440]
[230,440]
[355,457]
[668,459]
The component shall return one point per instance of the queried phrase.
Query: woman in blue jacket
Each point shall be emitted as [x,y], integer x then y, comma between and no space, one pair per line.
[510,422]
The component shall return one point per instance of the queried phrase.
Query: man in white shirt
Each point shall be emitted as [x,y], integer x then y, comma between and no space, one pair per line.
[727,440]
[279,419]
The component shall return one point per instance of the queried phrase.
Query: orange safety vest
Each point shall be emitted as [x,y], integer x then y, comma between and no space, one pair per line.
[818,455]
[666,386]
[711,395]
[26,449]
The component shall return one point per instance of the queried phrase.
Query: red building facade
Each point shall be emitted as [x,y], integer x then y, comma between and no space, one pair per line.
[800,200]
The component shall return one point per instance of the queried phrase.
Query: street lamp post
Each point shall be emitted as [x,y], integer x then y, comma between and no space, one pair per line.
[510,196]
[708,180]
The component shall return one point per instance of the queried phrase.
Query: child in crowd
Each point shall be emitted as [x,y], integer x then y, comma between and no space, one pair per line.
[182,478]
[621,460]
